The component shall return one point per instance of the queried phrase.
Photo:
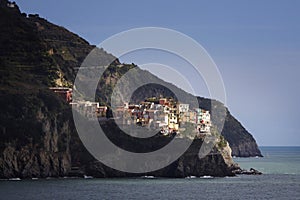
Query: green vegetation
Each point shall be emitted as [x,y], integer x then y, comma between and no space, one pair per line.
[222,143]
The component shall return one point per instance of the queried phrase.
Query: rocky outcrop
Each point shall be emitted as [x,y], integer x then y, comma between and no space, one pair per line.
[217,163]
[240,140]
[252,171]
[30,162]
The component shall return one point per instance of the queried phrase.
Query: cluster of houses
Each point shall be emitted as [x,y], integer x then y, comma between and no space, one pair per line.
[164,114]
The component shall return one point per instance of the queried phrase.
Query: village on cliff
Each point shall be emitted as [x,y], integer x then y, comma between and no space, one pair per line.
[164,114]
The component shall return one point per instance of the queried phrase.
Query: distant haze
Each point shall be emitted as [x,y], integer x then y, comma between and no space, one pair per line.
[255,44]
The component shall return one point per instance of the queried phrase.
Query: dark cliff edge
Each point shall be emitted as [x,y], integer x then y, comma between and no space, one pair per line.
[217,163]
[189,164]
[37,134]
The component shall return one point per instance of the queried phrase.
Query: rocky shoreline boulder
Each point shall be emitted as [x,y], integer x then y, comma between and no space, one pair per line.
[252,171]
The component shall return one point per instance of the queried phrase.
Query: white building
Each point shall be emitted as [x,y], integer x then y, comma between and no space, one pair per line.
[183,108]
[86,108]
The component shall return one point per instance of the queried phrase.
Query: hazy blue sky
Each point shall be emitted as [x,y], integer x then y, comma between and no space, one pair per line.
[255,44]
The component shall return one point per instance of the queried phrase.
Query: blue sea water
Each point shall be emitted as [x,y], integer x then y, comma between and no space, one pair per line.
[281,180]
[276,160]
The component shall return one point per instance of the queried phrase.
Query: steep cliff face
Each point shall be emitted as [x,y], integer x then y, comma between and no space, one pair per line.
[187,165]
[216,163]
[35,137]
[240,140]
[34,125]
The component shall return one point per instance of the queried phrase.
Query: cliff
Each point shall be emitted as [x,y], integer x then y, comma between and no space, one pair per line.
[187,165]
[34,122]
[37,135]
[217,163]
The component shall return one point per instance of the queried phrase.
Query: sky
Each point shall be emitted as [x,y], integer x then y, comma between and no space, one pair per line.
[255,45]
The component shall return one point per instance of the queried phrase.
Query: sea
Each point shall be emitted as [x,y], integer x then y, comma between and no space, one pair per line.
[280,180]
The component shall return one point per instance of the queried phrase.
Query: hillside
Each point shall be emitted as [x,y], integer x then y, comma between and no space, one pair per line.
[37,135]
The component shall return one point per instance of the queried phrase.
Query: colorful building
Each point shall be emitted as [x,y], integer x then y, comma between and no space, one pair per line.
[101,111]
[203,120]
[64,92]
[164,114]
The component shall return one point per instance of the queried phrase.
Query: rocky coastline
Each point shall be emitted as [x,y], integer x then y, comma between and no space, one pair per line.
[50,158]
